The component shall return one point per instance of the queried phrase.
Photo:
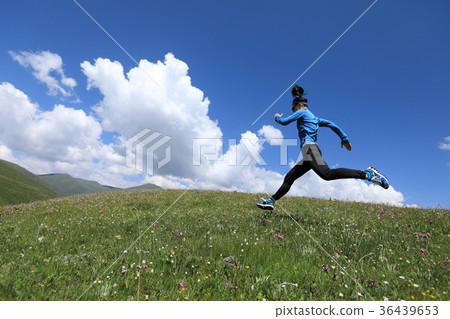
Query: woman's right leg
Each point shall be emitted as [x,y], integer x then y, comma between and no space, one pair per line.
[298,170]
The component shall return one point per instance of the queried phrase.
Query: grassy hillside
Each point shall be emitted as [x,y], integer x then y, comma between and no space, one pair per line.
[17,185]
[69,185]
[205,245]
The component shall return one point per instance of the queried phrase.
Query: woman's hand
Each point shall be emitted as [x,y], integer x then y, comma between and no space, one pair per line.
[347,145]
[280,115]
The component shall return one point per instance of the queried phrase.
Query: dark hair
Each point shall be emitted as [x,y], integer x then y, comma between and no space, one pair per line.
[297,94]
[297,91]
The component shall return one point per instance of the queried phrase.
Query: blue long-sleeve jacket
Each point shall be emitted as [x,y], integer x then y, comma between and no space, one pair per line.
[308,125]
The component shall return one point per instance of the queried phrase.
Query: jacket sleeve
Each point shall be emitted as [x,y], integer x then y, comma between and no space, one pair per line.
[289,119]
[336,129]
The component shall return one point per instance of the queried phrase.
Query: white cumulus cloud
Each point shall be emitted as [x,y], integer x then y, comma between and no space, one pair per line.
[44,64]
[61,140]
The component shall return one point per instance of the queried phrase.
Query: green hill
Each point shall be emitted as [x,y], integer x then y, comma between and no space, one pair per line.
[69,185]
[17,185]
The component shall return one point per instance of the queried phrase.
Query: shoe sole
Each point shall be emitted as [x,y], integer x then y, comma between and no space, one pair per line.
[265,207]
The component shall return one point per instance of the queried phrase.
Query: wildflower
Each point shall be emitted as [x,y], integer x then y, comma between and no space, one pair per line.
[341,294]
[123,271]
[401,277]
[325,268]
[139,267]
[271,232]
[334,276]
[372,282]
[416,285]
[422,250]
[280,237]
[181,285]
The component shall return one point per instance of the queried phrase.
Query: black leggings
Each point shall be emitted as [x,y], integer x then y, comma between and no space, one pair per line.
[312,159]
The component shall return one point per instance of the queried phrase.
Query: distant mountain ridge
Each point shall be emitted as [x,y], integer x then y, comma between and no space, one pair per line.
[69,185]
[18,185]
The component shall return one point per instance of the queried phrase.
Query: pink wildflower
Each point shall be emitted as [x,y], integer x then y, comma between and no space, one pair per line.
[325,268]
[422,250]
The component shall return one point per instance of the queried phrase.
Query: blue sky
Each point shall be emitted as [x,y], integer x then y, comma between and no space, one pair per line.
[385,82]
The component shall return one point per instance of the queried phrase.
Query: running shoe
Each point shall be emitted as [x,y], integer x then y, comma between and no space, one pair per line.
[266,204]
[376,177]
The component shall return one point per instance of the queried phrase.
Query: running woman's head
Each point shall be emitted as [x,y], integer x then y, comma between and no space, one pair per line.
[299,101]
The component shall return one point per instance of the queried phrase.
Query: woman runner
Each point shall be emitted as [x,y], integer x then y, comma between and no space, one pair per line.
[308,125]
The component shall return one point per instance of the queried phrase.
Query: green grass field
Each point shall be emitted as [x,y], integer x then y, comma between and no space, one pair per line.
[218,246]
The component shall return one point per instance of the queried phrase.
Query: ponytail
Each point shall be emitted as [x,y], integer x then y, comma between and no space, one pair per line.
[297,94]
[297,91]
